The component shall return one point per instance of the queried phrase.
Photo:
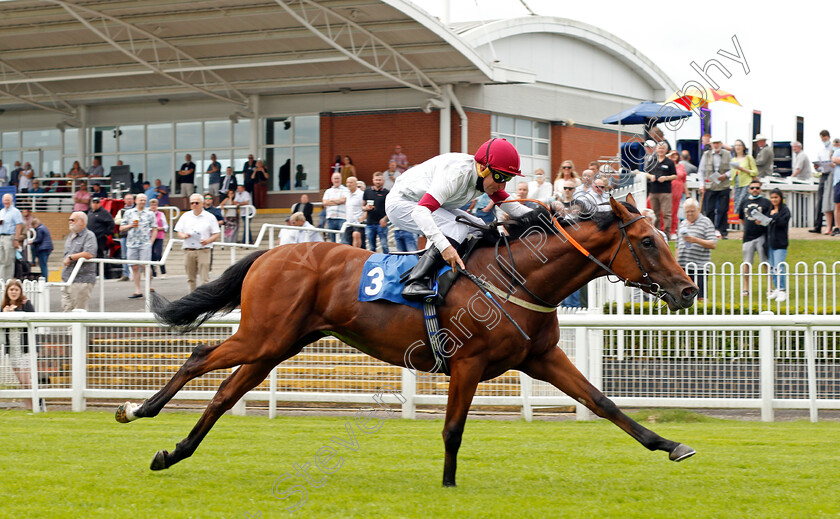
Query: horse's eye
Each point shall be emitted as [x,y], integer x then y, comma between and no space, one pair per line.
[647,243]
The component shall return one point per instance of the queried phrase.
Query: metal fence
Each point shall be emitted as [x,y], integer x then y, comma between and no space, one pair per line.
[751,361]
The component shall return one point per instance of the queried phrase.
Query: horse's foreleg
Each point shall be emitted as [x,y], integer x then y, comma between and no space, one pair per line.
[230,391]
[556,368]
[203,359]
[462,384]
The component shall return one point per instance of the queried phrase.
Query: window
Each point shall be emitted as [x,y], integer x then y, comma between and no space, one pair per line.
[531,139]
[291,152]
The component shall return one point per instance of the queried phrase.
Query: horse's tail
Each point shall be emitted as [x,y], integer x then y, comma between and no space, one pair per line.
[217,297]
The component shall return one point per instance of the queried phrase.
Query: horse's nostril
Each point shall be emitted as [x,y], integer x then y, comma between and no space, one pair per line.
[689,292]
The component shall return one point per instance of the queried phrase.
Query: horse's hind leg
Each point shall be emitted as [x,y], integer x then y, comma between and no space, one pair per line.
[231,390]
[556,368]
[462,384]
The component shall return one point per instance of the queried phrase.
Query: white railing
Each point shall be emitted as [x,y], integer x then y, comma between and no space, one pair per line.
[764,362]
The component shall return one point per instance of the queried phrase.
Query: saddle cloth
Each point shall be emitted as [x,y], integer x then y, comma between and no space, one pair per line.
[381,278]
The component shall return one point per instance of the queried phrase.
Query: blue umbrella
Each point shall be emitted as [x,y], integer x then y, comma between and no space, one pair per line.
[647,113]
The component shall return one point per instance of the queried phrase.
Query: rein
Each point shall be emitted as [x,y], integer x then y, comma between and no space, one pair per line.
[646,285]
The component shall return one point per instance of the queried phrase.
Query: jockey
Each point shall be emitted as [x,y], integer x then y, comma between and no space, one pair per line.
[426,199]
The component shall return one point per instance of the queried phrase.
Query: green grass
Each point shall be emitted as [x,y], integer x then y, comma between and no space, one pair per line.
[81,465]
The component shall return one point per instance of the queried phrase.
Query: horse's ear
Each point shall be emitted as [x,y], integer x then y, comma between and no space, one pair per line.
[619,209]
[630,200]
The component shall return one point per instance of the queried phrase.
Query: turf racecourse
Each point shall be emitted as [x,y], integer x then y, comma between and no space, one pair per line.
[82,465]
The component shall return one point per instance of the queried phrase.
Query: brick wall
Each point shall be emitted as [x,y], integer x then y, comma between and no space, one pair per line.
[582,145]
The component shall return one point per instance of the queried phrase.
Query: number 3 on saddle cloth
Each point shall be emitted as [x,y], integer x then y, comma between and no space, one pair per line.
[381,281]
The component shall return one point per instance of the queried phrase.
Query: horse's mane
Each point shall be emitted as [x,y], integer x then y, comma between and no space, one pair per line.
[541,218]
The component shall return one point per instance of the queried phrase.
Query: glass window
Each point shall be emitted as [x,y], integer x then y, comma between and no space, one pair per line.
[105,140]
[524,127]
[41,138]
[187,135]
[131,138]
[68,164]
[71,141]
[505,124]
[242,133]
[217,134]
[10,157]
[523,146]
[11,139]
[305,175]
[540,148]
[279,131]
[52,161]
[107,161]
[159,166]
[34,158]
[541,130]
[159,137]
[278,162]
[306,129]
[137,163]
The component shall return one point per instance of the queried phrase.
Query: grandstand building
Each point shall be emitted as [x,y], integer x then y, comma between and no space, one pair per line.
[297,83]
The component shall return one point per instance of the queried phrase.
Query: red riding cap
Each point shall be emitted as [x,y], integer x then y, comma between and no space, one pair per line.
[500,155]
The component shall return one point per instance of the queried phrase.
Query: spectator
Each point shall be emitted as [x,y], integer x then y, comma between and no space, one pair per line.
[300,177]
[763,156]
[695,241]
[334,201]
[247,174]
[336,166]
[217,212]
[660,172]
[406,241]
[25,178]
[214,176]
[96,190]
[825,196]
[355,198]
[483,208]
[754,212]
[376,220]
[76,171]
[567,172]
[128,203]
[199,229]
[142,228]
[391,175]
[17,340]
[161,225]
[26,216]
[777,238]
[148,190]
[42,246]
[231,216]
[284,175]
[38,200]
[11,236]
[101,223]
[308,233]
[347,168]
[240,199]
[15,174]
[835,159]
[743,166]
[96,169]
[677,193]
[522,190]
[259,177]
[305,207]
[689,168]
[539,189]
[161,193]
[4,175]
[81,198]
[802,169]
[598,196]
[585,185]
[715,188]
[80,243]
[186,176]
[398,157]
[228,183]
[567,197]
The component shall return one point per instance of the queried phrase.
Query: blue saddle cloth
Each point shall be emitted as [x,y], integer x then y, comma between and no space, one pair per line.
[381,278]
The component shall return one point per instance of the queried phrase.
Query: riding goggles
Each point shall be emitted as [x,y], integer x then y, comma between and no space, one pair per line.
[500,177]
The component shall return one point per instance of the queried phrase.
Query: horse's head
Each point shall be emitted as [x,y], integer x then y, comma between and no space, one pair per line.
[648,253]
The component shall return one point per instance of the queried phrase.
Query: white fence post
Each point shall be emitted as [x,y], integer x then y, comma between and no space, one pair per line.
[582,364]
[409,390]
[101,287]
[78,353]
[526,386]
[812,374]
[767,366]
[272,393]
[34,378]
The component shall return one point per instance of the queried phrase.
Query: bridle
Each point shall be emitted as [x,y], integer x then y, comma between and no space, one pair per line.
[646,284]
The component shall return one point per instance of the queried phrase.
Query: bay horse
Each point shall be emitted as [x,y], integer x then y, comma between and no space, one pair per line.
[293,295]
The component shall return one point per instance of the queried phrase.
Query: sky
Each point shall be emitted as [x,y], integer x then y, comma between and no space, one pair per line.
[787,48]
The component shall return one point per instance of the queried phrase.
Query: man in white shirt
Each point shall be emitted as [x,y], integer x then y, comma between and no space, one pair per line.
[427,197]
[241,198]
[801,165]
[306,234]
[335,204]
[4,174]
[539,189]
[199,229]
[354,235]
[391,175]
[824,206]
[25,178]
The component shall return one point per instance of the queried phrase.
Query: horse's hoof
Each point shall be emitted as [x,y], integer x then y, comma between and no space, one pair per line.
[449,483]
[159,462]
[125,412]
[681,452]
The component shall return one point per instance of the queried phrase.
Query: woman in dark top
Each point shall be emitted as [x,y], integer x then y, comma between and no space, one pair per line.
[260,178]
[660,172]
[16,338]
[777,234]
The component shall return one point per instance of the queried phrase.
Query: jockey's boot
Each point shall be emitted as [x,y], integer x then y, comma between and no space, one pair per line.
[417,286]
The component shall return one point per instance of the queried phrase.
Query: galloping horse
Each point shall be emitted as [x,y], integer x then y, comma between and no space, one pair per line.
[294,295]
